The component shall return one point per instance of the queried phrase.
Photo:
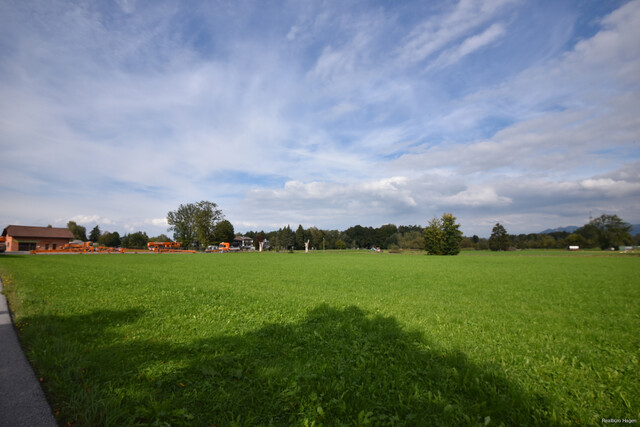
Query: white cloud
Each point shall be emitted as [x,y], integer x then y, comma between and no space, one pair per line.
[91,219]
[608,187]
[440,31]
[132,112]
[613,49]
[478,196]
[468,46]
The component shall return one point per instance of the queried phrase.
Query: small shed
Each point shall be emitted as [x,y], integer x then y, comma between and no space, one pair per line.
[28,238]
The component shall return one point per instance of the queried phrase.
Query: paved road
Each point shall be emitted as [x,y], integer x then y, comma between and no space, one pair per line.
[22,402]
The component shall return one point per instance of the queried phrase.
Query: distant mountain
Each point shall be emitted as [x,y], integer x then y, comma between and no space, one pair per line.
[635,229]
[569,229]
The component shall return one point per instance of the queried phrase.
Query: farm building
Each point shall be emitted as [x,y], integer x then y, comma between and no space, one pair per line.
[25,238]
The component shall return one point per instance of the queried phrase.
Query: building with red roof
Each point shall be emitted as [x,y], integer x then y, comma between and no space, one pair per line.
[26,238]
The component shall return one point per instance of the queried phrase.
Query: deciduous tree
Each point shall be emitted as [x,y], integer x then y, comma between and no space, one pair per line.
[79,232]
[224,232]
[137,240]
[111,240]
[194,223]
[611,231]
[160,238]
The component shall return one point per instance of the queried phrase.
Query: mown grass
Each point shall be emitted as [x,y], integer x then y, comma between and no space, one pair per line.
[540,337]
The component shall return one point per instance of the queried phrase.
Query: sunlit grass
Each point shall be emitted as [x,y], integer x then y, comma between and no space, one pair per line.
[540,337]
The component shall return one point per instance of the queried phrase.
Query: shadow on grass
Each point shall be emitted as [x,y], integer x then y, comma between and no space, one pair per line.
[334,367]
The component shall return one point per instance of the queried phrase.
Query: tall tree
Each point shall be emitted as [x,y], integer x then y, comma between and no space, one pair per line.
[611,231]
[182,222]
[286,238]
[300,237]
[194,223]
[94,235]
[452,235]
[79,232]
[208,215]
[224,232]
[499,240]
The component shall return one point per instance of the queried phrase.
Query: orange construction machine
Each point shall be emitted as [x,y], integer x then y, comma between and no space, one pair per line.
[83,248]
[167,247]
[108,250]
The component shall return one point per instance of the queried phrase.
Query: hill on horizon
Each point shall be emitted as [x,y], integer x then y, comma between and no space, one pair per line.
[635,229]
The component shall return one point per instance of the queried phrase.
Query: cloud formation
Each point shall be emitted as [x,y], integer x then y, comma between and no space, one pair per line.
[322,114]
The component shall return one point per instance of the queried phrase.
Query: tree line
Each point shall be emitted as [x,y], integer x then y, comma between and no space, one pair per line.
[137,240]
[604,232]
[198,225]
[388,236]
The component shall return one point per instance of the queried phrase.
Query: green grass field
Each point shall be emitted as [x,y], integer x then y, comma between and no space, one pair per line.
[331,338]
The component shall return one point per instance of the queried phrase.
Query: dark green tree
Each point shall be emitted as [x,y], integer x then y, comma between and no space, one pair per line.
[300,237]
[79,232]
[575,239]
[286,238]
[94,235]
[137,240]
[224,232]
[499,240]
[383,236]
[452,235]
[111,240]
[611,231]
[362,237]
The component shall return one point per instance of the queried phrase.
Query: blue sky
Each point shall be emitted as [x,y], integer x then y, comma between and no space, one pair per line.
[326,114]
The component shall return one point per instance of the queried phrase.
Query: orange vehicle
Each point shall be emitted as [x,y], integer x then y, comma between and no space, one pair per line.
[85,248]
[77,247]
[167,247]
[223,247]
